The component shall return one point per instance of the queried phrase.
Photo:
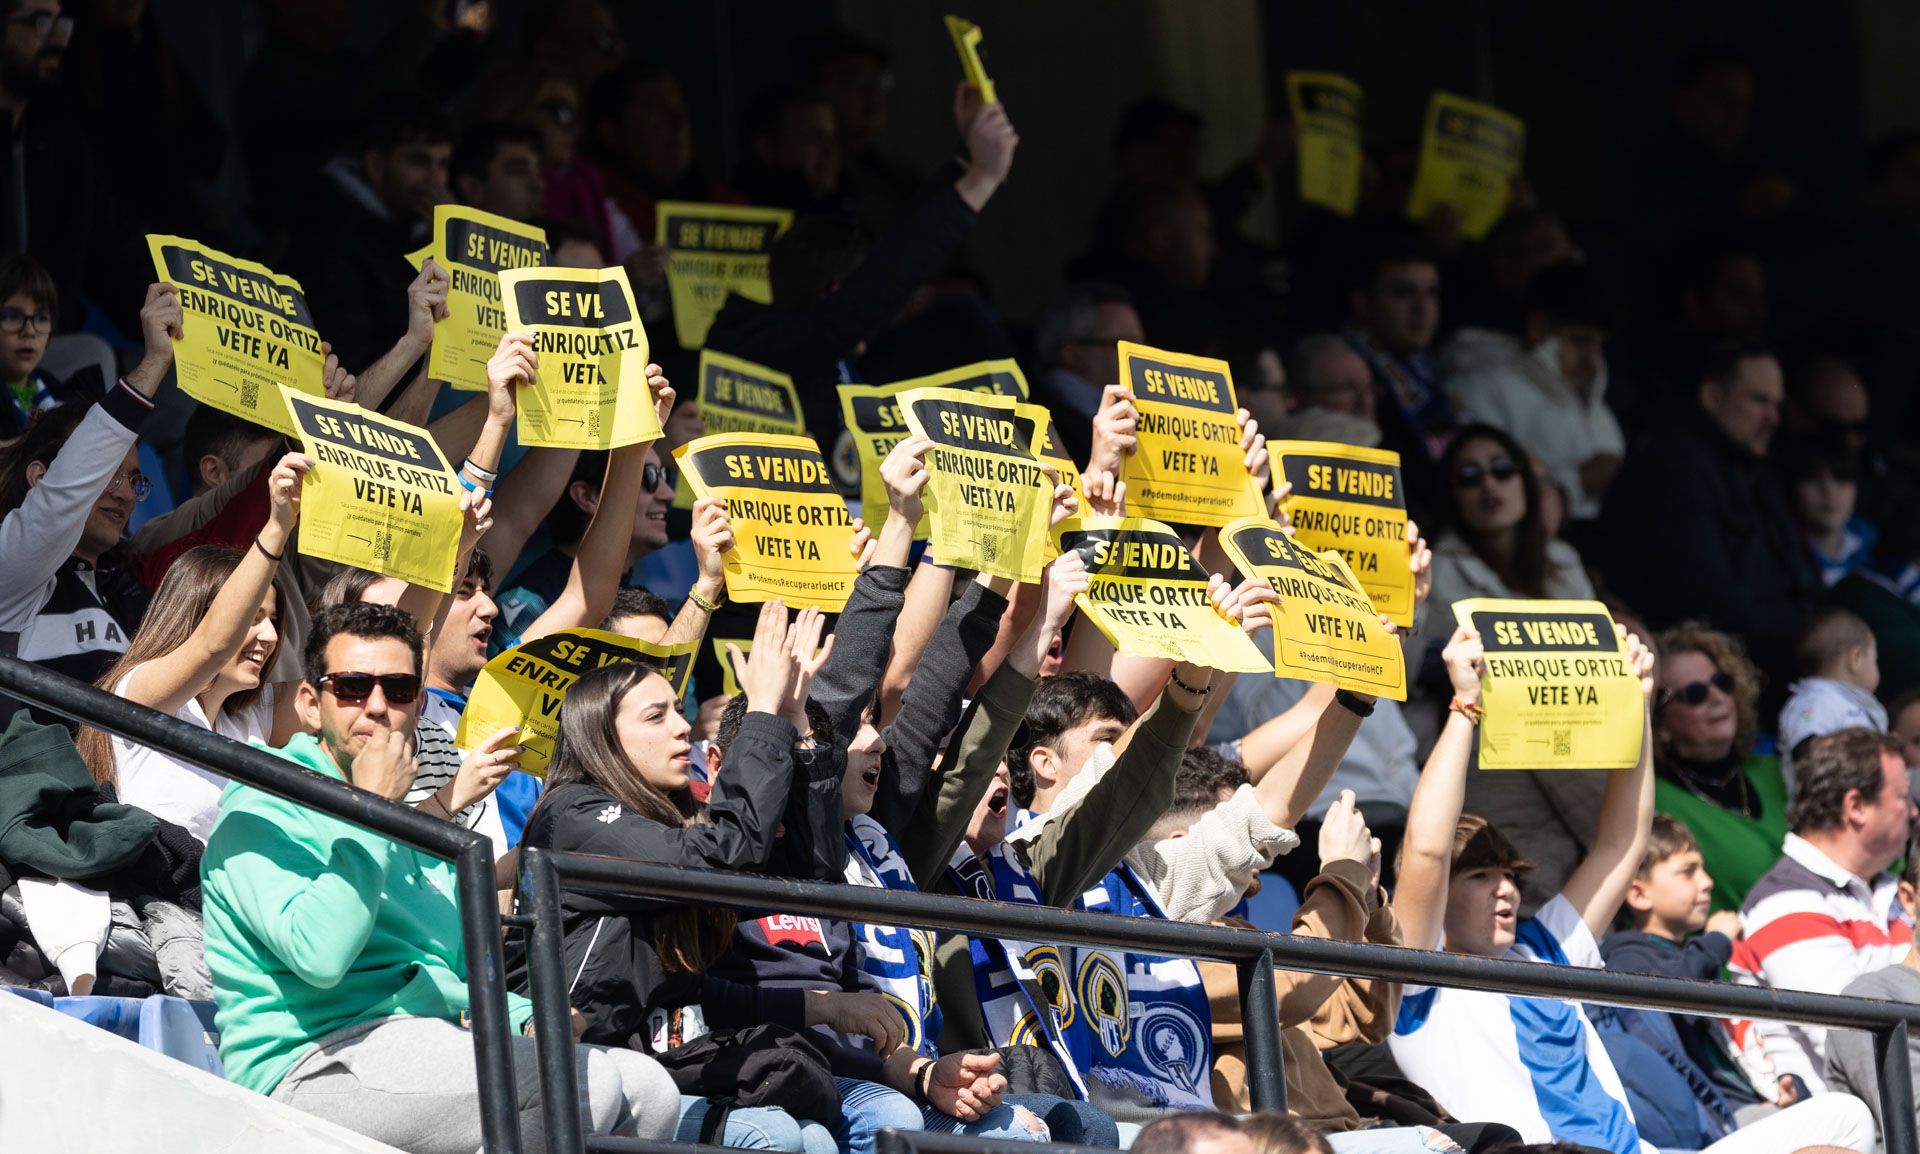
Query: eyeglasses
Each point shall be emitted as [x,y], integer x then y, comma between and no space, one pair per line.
[139,483]
[561,112]
[1695,692]
[1470,476]
[652,476]
[45,22]
[15,321]
[353,688]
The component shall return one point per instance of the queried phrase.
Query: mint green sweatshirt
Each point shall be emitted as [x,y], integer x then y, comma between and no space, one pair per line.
[314,925]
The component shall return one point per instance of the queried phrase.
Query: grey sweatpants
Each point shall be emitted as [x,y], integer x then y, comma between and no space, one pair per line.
[410,1082]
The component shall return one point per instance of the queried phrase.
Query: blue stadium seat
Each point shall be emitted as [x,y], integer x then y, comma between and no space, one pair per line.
[40,996]
[116,1015]
[183,1030]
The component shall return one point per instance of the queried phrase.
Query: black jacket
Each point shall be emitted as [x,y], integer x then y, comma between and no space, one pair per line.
[615,974]
[808,343]
[1695,526]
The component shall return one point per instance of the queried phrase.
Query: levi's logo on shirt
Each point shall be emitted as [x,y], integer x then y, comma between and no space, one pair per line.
[793,930]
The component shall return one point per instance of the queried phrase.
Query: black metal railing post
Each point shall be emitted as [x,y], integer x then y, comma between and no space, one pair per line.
[552,1013]
[487,995]
[471,853]
[1892,1062]
[1260,1022]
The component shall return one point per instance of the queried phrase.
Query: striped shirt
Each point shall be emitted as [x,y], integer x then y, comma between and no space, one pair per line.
[1811,925]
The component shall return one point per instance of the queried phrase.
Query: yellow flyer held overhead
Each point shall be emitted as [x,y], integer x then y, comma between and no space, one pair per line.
[791,529]
[591,392]
[1327,110]
[245,331]
[379,497]
[738,396]
[874,425]
[729,681]
[1324,628]
[1557,693]
[1469,155]
[1351,500]
[1149,596]
[966,41]
[716,249]
[526,685]
[1189,468]
[475,247]
[986,494]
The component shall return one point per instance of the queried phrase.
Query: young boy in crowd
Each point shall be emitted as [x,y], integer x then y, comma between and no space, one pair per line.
[1673,936]
[1839,665]
[1539,1065]
[28,304]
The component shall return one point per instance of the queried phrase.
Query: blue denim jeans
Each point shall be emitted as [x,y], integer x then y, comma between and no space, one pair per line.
[756,1128]
[868,1107]
[1069,1120]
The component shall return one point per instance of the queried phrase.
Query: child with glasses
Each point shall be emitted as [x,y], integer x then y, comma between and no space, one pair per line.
[28,303]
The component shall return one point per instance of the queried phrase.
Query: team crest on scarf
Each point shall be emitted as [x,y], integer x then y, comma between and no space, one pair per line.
[1050,971]
[1173,1045]
[1103,995]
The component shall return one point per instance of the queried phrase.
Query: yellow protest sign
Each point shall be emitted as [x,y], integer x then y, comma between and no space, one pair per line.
[1324,628]
[717,249]
[966,41]
[791,529]
[874,425]
[1469,154]
[738,396]
[1351,500]
[1189,468]
[1557,691]
[418,257]
[591,392]
[526,685]
[379,496]
[729,681]
[1149,596]
[474,247]
[1327,116]
[986,495]
[1054,452]
[245,329]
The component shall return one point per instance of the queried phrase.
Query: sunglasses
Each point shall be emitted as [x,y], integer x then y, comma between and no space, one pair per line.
[353,688]
[652,476]
[1470,476]
[1695,692]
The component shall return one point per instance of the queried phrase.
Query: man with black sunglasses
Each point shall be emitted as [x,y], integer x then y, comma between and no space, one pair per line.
[336,954]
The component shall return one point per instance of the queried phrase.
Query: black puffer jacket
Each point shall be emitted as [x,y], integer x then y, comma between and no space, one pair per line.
[615,975]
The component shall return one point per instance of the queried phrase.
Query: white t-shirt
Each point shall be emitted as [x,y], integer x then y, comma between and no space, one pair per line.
[1531,1063]
[174,791]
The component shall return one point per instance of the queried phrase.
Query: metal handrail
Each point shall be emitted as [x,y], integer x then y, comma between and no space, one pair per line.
[471,853]
[1255,952]
[544,874]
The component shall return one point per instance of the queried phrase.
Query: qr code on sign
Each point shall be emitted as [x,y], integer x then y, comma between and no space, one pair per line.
[1563,743]
[250,394]
[593,423]
[382,545]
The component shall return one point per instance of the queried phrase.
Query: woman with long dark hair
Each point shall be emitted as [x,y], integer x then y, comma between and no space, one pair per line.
[1497,542]
[617,785]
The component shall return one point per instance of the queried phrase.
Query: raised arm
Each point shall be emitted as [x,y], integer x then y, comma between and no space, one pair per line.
[168,682]
[602,558]
[1600,883]
[426,306]
[38,537]
[1426,851]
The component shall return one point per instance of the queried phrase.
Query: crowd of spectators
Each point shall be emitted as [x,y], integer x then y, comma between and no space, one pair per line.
[1653,428]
